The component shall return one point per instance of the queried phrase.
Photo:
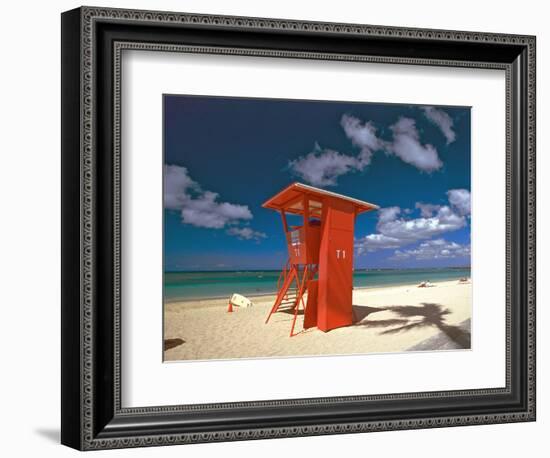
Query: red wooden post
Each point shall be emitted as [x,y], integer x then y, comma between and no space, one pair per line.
[334,301]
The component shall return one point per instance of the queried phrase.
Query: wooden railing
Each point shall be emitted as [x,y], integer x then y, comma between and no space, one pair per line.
[283,274]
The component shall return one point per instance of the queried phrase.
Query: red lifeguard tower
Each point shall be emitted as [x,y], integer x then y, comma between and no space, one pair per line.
[320,254]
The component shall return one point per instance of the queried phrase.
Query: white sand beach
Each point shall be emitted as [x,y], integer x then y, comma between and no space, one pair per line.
[388,319]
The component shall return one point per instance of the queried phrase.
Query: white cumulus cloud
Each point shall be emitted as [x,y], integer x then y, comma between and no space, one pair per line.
[434,249]
[397,228]
[322,167]
[407,146]
[245,233]
[388,214]
[362,135]
[460,199]
[442,120]
[374,242]
[177,184]
[202,208]
[427,210]
[206,211]
[444,220]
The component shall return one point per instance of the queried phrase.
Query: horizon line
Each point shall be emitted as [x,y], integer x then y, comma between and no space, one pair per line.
[278,270]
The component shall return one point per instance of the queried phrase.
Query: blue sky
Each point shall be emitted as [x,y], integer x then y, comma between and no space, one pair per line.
[225,156]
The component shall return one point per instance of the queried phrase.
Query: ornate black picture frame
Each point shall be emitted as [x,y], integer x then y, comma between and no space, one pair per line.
[92,42]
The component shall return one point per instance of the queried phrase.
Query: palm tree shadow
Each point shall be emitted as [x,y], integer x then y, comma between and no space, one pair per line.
[417,317]
[360,312]
[430,315]
[458,335]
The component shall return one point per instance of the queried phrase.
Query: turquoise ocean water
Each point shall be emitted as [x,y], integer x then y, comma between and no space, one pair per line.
[207,285]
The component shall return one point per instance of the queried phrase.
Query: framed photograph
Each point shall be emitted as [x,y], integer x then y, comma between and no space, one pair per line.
[276,228]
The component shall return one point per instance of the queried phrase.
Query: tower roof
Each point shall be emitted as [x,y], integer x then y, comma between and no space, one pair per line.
[290,200]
